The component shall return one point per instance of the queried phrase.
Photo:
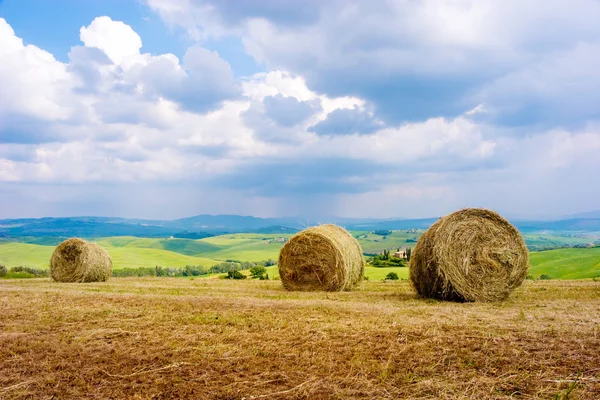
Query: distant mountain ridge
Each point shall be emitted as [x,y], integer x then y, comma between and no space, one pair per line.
[209,225]
[588,214]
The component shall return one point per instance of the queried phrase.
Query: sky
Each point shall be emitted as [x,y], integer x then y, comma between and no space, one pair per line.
[392,108]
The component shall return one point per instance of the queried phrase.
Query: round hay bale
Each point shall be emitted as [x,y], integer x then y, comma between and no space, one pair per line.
[76,260]
[324,257]
[470,255]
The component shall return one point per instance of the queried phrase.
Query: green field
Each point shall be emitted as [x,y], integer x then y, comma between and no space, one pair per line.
[182,246]
[537,241]
[372,243]
[566,263]
[133,252]
[36,256]
[25,254]
[244,247]
[376,274]
[373,274]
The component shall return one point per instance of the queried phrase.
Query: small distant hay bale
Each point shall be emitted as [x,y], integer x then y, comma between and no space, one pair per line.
[76,260]
[470,255]
[324,257]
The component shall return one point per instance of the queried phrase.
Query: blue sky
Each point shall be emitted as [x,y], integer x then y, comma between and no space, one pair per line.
[53,25]
[171,108]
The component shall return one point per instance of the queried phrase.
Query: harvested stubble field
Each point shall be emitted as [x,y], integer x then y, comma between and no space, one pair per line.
[166,338]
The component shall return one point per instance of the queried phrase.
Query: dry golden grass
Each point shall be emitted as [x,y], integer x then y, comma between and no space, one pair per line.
[161,338]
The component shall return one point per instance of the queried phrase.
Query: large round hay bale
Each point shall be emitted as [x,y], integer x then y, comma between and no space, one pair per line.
[76,260]
[470,255]
[324,257]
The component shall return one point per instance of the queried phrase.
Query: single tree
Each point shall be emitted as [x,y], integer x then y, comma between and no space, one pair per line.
[235,275]
[257,271]
[392,276]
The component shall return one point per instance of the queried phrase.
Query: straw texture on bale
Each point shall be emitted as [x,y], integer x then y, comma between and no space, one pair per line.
[324,257]
[76,260]
[470,255]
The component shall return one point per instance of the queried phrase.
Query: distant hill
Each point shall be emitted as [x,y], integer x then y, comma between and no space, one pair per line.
[82,227]
[197,227]
[589,214]
[219,222]
[275,230]
[393,224]
[202,226]
[575,224]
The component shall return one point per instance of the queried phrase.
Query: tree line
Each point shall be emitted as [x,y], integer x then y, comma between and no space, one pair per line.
[257,270]
[193,270]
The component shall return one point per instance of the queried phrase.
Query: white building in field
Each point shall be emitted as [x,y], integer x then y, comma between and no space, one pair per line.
[401,254]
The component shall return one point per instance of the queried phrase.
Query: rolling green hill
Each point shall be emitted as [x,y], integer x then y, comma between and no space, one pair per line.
[245,247]
[183,246]
[566,263]
[536,241]
[133,252]
[131,257]
[25,254]
[37,256]
[372,243]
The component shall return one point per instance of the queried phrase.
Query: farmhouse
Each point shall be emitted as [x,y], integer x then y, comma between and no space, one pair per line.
[401,254]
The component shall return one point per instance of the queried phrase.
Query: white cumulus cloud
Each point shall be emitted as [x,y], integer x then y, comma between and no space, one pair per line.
[127,127]
[115,38]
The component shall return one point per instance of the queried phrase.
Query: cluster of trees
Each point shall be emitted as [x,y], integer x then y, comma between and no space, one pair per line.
[27,272]
[256,272]
[190,270]
[229,266]
[382,233]
[555,246]
[542,277]
[259,272]
[234,275]
[250,264]
[392,276]
[192,235]
[388,260]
